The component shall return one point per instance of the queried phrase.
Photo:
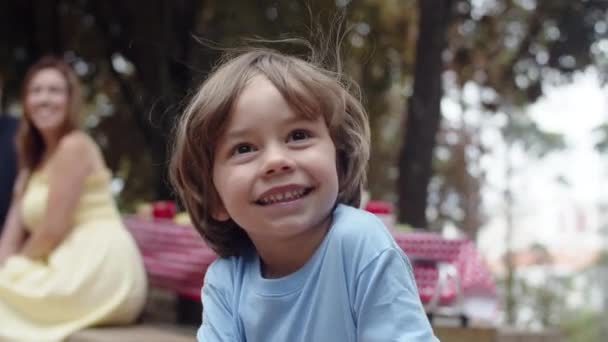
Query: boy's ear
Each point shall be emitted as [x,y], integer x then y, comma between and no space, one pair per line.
[219,213]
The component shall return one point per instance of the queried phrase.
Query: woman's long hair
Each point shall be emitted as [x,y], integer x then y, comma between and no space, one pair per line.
[30,144]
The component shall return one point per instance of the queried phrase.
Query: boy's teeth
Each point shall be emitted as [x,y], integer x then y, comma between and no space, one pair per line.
[286,196]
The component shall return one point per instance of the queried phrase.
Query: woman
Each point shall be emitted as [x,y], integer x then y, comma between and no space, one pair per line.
[66,260]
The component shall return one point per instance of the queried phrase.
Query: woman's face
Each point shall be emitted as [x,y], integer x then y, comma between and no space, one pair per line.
[46,100]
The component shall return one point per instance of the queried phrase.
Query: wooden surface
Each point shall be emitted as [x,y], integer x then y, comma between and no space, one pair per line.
[134,333]
[518,335]
[172,333]
[473,334]
[481,334]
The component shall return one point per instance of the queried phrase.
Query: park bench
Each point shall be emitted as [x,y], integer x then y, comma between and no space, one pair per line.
[174,255]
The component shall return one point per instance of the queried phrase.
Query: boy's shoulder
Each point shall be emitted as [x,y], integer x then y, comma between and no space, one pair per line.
[353,221]
[351,216]
[224,270]
[360,231]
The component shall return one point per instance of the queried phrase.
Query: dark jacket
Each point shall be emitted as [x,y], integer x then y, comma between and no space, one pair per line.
[8,163]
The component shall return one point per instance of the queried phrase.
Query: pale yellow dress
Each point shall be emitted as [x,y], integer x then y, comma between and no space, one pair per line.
[94,277]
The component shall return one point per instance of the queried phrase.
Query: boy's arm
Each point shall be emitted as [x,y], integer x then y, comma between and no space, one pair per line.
[218,324]
[387,304]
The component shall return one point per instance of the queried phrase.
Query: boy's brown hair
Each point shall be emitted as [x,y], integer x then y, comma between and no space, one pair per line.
[308,88]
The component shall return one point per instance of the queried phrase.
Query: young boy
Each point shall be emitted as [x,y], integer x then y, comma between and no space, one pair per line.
[269,160]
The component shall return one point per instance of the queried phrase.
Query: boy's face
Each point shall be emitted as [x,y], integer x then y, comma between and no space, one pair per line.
[275,171]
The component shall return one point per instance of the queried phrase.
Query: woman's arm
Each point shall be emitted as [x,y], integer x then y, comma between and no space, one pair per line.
[73,161]
[13,233]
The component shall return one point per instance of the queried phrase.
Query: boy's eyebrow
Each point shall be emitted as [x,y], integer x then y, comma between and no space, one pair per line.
[240,132]
[235,133]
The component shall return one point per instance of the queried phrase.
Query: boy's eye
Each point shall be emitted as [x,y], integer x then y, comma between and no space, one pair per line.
[299,134]
[242,148]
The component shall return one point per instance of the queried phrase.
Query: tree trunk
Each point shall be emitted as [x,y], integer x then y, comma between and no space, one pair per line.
[422,124]
[510,302]
[157,40]
[45,30]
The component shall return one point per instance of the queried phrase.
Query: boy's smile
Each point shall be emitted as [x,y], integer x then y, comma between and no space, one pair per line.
[275,170]
[283,195]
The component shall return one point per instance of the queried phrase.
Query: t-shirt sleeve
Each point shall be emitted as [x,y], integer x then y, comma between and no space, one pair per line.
[218,323]
[387,305]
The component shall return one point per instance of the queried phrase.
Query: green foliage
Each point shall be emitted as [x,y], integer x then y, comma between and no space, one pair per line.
[539,304]
[509,49]
[138,60]
[602,138]
[514,46]
[582,326]
[521,130]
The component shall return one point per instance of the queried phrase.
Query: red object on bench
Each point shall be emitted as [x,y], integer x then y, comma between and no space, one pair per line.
[176,258]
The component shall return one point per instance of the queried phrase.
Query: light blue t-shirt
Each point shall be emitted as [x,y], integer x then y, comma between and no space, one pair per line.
[357,286]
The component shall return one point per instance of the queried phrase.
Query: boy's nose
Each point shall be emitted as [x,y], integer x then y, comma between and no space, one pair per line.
[277,161]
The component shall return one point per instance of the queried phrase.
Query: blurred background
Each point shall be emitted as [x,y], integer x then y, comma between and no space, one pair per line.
[489,117]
